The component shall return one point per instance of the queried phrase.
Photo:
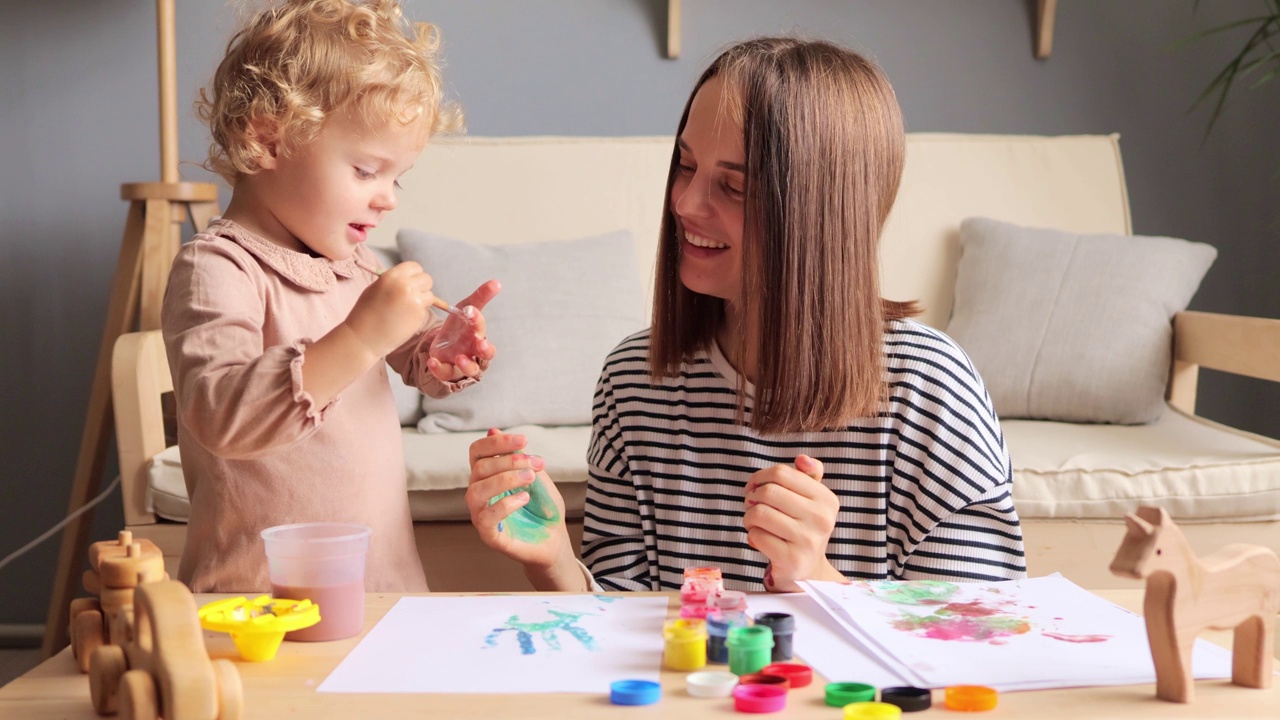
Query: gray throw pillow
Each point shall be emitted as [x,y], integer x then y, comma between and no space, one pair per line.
[1072,327]
[564,306]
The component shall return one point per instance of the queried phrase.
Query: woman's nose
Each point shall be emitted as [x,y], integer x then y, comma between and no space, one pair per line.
[691,200]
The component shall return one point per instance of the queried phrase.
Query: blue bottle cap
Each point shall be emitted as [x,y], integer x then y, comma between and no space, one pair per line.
[634,692]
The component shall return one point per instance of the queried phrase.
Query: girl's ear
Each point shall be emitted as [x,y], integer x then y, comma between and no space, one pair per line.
[263,132]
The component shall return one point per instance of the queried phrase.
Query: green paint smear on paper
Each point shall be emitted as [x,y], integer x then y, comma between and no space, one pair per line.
[915,592]
[531,523]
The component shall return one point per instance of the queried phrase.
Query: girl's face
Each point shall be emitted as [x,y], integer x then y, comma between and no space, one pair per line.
[328,194]
[706,196]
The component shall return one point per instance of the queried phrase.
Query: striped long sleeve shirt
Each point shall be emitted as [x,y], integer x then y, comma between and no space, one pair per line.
[924,487]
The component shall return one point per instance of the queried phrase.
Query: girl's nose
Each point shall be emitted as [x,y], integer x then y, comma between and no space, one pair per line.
[386,200]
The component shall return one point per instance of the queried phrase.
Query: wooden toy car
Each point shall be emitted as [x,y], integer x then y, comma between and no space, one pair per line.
[116,568]
[163,669]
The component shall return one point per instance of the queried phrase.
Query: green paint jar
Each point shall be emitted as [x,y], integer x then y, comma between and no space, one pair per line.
[750,648]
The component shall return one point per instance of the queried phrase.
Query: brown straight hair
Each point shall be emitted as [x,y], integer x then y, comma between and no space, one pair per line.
[824,146]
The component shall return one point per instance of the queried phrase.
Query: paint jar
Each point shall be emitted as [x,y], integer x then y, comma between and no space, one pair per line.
[701,586]
[686,646]
[731,601]
[322,562]
[783,626]
[749,649]
[719,624]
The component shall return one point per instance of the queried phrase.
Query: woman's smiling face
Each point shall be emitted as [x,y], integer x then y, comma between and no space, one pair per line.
[707,195]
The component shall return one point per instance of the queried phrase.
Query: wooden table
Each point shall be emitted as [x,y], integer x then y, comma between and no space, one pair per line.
[286,688]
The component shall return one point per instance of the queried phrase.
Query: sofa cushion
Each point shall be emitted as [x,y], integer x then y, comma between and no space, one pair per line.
[1065,326]
[439,473]
[564,305]
[436,468]
[166,488]
[1196,469]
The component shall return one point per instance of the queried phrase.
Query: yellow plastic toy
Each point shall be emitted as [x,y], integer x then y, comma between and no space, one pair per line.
[258,626]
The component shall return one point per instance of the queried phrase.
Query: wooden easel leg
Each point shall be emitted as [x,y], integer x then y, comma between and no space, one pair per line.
[122,307]
[202,213]
[158,250]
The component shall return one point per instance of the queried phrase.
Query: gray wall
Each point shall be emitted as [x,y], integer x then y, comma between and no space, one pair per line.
[78,117]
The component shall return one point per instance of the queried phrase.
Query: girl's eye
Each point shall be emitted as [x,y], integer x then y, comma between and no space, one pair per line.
[363,174]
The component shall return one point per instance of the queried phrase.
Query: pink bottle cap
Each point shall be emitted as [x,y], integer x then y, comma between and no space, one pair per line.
[759,698]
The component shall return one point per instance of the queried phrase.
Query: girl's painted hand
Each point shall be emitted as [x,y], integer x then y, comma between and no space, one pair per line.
[460,349]
[392,309]
[789,517]
[526,525]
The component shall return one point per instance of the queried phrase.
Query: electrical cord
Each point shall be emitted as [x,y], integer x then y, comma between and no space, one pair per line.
[53,530]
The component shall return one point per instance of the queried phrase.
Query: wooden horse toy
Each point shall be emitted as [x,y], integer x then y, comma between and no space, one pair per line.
[1237,588]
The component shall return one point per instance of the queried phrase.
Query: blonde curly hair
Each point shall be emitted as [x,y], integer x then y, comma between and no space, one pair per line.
[299,62]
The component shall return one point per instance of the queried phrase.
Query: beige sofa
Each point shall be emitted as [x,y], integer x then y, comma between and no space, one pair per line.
[1072,481]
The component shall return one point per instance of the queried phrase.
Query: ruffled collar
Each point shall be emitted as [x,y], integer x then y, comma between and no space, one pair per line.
[306,271]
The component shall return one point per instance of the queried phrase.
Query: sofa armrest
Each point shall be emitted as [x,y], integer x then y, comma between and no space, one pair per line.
[1235,344]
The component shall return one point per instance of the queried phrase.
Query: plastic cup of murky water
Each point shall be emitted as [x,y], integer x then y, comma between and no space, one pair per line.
[322,562]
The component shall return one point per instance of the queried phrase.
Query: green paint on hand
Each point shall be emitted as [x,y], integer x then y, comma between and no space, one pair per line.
[531,523]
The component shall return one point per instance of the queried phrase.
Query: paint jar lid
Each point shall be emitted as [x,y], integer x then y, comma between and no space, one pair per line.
[840,694]
[730,600]
[711,683]
[764,678]
[685,630]
[971,698]
[910,699]
[871,711]
[634,692]
[797,674]
[708,572]
[782,623]
[759,698]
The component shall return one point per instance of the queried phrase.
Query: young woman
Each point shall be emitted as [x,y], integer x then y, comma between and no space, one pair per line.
[779,420]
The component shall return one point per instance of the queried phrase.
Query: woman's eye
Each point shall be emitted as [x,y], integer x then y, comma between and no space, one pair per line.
[685,169]
[731,190]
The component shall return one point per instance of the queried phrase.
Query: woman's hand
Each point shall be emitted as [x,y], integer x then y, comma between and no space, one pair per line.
[392,309]
[460,349]
[526,525]
[789,518]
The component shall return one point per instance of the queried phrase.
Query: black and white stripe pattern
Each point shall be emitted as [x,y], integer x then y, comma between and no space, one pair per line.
[925,487]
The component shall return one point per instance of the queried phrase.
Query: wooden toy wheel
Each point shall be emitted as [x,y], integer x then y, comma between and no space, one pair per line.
[230,692]
[138,697]
[87,635]
[168,643]
[107,665]
[80,605]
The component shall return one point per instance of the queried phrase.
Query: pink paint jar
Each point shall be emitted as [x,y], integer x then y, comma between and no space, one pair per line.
[322,562]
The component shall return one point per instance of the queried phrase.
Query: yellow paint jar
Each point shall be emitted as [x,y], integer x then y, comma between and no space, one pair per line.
[686,644]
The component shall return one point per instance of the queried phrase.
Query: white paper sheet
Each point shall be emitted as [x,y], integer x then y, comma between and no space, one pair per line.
[823,644]
[1016,635]
[506,644]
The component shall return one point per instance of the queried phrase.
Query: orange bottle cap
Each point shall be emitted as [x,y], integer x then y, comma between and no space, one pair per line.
[971,698]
